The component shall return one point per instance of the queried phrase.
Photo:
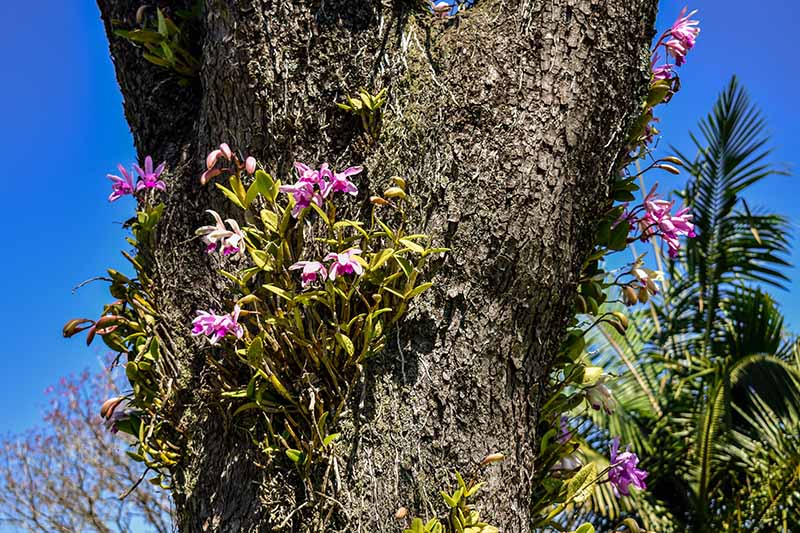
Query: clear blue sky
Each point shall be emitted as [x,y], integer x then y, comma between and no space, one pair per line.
[65,129]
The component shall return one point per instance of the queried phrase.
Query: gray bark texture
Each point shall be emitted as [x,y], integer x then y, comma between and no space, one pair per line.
[506,121]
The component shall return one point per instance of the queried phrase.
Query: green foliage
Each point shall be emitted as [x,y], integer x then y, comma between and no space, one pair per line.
[368,108]
[708,377]
[131,326]
[304,349]
[164,44]
[461,516]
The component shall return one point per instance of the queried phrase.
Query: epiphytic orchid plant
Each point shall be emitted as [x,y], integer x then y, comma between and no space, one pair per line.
[309,311]
[566,473]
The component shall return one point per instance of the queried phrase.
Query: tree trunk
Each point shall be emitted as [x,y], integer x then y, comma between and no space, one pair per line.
[506,120]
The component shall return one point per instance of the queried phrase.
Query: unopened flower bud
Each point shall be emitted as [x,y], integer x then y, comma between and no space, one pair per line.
[644,295]
[674,160]
[400,182]
[377,200]
[76,325]
[208,174]
[623,320]
[107,409]
[226,151]
[629,295]
[669,168]
[492,458]
[250,165]
[108,320]
[394,192]
[140,13]
[211,158]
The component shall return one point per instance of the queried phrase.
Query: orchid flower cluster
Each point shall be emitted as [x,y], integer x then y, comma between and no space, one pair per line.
[307,312]
[216,327]
[677,41]
[654,218]
[564,474]
[314,186]
[148,178]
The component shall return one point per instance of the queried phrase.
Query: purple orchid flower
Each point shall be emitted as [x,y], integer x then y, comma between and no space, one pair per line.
[303,193]
[684,35]
[339,182]
[565,435]
[148,178]
[310,271]
[623,471]
[215,326]
[344,263]
[121,186]
[658,221]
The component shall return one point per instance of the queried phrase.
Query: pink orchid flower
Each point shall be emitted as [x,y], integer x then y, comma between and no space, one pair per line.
[339,182]
[310,271]
[303,193]
[344,263]
[121,186]
[215,326]
[658,221]
[684,35]
[148,178]
[230,240]
[307,174]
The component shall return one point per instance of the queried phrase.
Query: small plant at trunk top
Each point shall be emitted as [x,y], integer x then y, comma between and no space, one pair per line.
[163,41]
[368,108]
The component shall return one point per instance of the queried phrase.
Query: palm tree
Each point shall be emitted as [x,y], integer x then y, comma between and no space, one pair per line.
[709,379]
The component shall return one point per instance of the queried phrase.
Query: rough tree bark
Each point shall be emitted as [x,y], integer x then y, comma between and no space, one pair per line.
[506,122]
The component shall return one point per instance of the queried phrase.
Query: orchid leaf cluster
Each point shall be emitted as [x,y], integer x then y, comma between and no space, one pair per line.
[461,515]
[313,295]
[163,42]
[131,327]
[367,107]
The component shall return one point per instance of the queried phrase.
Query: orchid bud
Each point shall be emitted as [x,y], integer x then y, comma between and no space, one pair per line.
[377,200]
[75,326]
[212,157]
[400,182]
[208,174]
[668,168]
[108,320]
[250,165]
[140,13]
[492,458]
[107,409]
[394,192]
[623,320]
[226,151]
[644,295]
[629,295]
[674,160]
